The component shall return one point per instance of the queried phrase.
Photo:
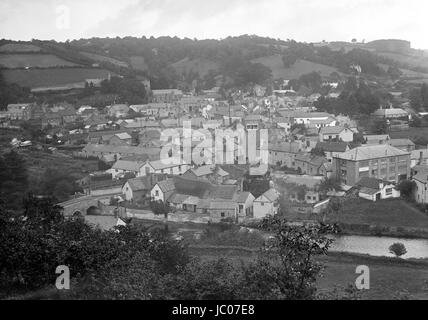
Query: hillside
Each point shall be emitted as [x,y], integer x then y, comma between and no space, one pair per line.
[298,69]
[200,66]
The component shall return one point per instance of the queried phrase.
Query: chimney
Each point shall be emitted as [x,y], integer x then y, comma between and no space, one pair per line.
[421,156]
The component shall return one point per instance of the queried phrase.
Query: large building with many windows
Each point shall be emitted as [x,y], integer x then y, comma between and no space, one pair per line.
[378,161]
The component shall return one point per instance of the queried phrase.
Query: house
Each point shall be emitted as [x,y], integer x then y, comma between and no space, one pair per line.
[266,204]
[418,157]
[378,161]
[212,173]
[420,178]
[137,189]
[163,190]
[303,189]
[376,138]
[310,164]
[167,166]
[391,113]
[21,111]
[120,139]
[332,149]
[166,95]
[406,145]
[245,201]
[126,167]
[284,123]
[118,110]
[374,189]
[283,154]
[336,133]
[113,153]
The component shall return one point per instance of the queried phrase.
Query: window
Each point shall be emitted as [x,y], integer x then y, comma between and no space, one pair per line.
[388,191]
[157,193]
[262,204]
[223,214]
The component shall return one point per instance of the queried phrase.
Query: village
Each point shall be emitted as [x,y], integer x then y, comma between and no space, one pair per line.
[314,158]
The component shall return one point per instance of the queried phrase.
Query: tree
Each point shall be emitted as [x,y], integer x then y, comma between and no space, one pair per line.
[398,249]
[289,58]
[406,188]
[394,72]
[379,126]
[161,208]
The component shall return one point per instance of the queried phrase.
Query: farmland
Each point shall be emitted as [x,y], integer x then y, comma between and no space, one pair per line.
[13,61]
[52,77]
[300,68]
[19,47]
[100,58]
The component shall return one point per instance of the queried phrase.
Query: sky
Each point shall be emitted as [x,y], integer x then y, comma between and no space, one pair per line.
[301,20]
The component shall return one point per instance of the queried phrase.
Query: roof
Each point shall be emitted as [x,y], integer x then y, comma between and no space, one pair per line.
[416,154]
[333,130]
[123,136]
[222,205]
[304,180]
[160,164]
[104,148]
[368,152]
[401,142]
[370,183]
[369,137]
[128,165]
[242,197]
[167,91]
[312,159]
[138,184]
[390,112]
[272,195]
[291,147]
[166,185]
[332,146]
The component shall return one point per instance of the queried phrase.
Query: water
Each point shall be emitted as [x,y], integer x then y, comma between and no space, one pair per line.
[379,246]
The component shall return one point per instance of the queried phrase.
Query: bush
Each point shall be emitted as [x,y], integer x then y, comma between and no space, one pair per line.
[398,249]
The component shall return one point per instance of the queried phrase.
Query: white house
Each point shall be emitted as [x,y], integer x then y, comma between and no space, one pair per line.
[164,167]
[123,167]
[266,204]
[245,201]
[163,190]
[337,133]
[375,189]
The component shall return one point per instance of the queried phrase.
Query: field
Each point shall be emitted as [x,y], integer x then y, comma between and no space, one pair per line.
[100,58]
[388,213]
[13,61]
[412,133]
[389,278]
[413,60]
[300,68]
[19,47]
[38,161]
[52,77]
[200,66]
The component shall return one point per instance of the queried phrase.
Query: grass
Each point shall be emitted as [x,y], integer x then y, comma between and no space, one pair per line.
[412,133]
[13,61]
[388,277]
[52,77]
[385,213]
[300,68]
[38,162]
[100,58]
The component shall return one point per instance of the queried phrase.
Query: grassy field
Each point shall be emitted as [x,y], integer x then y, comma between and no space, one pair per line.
[388,277]
[52,77]
[100,58]
[13,61]
[300,68]
[385,213]
[38,161]
[412,133]
[19,47]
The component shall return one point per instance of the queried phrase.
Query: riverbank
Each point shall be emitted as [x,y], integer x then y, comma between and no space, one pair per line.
[390,278]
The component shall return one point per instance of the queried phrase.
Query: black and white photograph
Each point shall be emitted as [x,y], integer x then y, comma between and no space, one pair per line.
[213,156]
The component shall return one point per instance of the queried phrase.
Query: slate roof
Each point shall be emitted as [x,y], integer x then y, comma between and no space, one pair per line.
[139,184]
[332,146]
[368,152]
